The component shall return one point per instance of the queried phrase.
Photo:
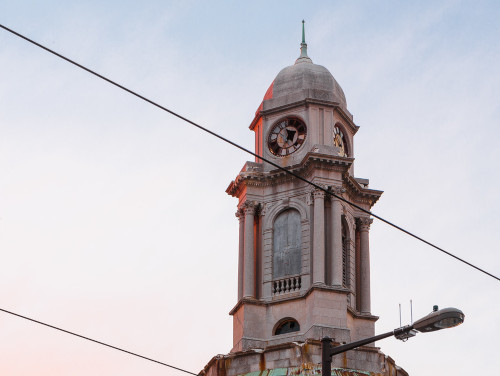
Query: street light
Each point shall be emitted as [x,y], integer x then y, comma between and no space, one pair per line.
[437,320]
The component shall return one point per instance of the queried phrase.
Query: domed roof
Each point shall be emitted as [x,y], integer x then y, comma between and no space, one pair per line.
[303,80]
[316,79]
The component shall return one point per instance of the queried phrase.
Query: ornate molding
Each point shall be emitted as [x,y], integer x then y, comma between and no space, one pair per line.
[251,207]
[305,198]
[352,224]
[272,208]
[337,190]
[311,162]
[318,193]
[306,102]
[240,214]
[359,194]
[309,199]
[266,207]
[307,169]
[363,223]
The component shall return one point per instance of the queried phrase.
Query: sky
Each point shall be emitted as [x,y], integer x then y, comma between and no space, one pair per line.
[114,221]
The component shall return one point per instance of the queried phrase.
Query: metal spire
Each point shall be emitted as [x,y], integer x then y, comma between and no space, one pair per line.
[303,48]
[303,32]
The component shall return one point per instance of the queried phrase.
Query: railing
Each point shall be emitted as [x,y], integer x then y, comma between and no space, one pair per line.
[285,285]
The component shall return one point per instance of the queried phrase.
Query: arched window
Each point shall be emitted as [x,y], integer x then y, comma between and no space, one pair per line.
[287,326]
[287,241]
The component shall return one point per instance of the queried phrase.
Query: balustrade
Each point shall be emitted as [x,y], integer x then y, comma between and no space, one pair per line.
[289,284]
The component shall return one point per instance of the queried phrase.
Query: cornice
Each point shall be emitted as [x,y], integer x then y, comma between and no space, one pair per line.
[255,177]
[310,162]
[355,190]
[255,120]
[361,316]
[257,302]
[300,103]
[272,348]
[305,103]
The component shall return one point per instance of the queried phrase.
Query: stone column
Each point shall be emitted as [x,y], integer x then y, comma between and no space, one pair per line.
[336,246]
[319,238]
[364,228]
[249,252]
[241,217]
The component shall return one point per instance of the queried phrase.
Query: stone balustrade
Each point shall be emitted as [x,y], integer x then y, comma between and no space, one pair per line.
[289,284]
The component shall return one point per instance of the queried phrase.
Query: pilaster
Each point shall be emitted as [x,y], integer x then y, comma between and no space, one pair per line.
[249,209]
[319,238]
[240,214]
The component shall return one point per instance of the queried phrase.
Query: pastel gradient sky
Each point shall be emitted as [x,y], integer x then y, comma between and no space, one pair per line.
[114,221]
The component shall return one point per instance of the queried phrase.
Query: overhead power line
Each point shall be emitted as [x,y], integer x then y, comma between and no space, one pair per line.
[328,192]
[96,341]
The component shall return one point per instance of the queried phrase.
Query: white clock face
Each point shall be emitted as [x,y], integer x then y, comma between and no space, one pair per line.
[340,142]
[286,137]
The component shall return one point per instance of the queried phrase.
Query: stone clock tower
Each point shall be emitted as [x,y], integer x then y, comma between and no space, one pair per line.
[304,256]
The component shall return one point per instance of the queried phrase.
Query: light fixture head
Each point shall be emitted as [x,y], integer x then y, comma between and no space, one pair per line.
[439,319]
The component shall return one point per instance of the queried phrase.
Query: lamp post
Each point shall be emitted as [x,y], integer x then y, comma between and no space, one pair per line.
[437,320]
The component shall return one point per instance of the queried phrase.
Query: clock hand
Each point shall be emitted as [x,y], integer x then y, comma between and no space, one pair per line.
[284,135]
[290,134]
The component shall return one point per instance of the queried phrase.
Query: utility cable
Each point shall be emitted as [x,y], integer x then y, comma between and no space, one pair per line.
[96,341]
[328,192]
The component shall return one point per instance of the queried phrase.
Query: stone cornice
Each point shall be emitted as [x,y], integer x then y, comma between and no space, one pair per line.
[311,162]
[255,177]
[351,311]
[253,301]
[362,316]
[304,103]
[354,189]
[255,120]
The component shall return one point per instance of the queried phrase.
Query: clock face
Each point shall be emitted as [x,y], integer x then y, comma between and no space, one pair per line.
[339,141]
[286,137]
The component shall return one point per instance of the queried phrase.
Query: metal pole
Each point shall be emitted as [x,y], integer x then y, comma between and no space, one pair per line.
[326,358]
[327,351]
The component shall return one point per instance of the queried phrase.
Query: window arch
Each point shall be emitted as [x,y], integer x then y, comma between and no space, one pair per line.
[287,325]
[287,244]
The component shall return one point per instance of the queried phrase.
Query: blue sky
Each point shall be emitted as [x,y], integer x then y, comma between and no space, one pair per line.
[114,221]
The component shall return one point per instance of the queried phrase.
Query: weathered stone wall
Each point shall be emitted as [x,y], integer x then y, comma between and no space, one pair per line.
[296,358]
[321,312]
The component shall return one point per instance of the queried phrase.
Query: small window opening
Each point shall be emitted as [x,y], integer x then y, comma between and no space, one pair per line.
[288,326]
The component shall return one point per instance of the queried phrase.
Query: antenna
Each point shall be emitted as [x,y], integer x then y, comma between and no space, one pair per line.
[400,325]
[405,336]
[411,312]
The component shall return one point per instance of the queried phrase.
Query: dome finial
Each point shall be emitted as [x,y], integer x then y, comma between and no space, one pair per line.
[303,58]
[303,32]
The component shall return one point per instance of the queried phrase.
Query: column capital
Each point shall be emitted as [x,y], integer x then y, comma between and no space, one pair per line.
[364,223]
[318,193]
[250,207]
[240,214]
[336,190]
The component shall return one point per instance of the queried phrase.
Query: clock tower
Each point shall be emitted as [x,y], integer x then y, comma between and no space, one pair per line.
[304,256]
